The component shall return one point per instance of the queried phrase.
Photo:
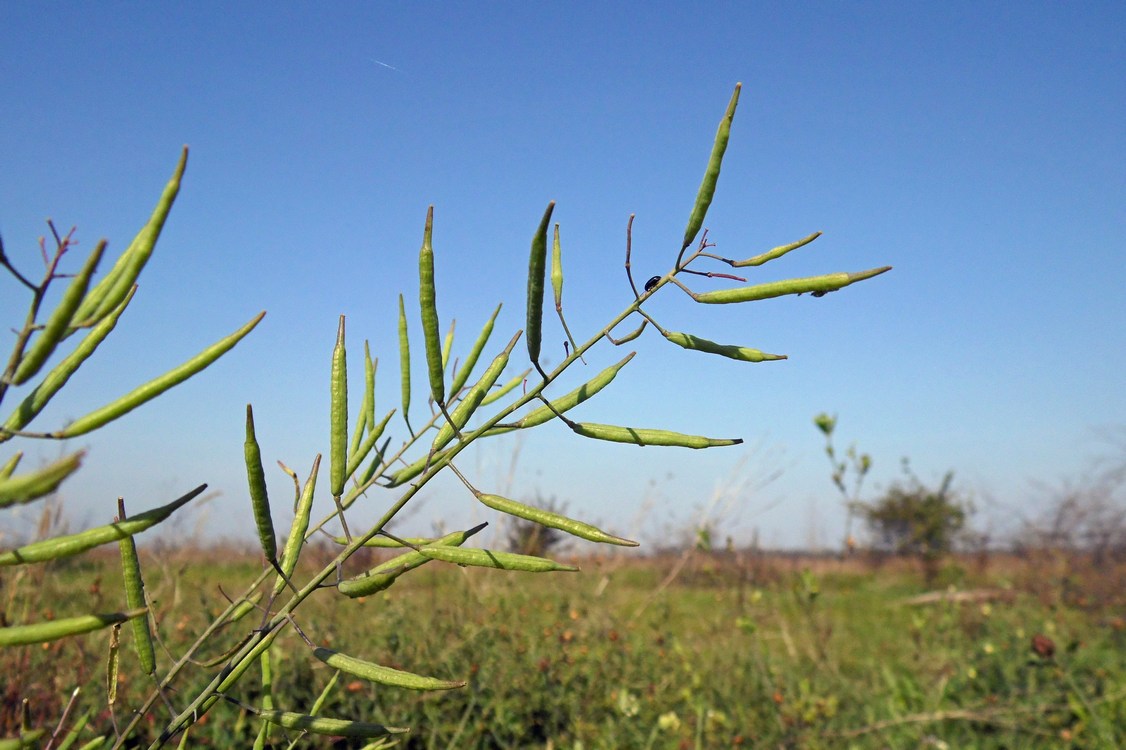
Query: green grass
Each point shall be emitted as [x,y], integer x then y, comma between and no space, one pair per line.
[727,655]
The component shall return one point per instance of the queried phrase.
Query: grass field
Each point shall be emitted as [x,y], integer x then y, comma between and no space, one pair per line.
[732,651]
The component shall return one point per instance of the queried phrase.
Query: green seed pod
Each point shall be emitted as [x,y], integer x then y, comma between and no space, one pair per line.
[552,520]
[76,730]
[829,282]
[386,573]
[537,267]
[557,269]
[462,375]
[244,607]
[364,448]
[465,408]
[259,498]
[367,405]
[338,418]
[112,289]
[10,465]
[135,599]
[42,632]
[26,741]
[97,742]
[386,542]
[565,403]
[113,663]
[299,527]
[56,327]
[639,436]
[72,544]
[711,175]
[777,252]
[320,725]
[420,465]
[157,386]
[404,361]
[30,407]
[448,345]
[24,488]
[427,302]
[505,389]
[483,558]
[742,353]
[382,675]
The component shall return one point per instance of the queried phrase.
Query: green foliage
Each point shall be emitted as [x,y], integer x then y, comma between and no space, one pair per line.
[209,670]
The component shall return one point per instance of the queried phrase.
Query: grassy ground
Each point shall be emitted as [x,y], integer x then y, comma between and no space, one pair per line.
[731,652]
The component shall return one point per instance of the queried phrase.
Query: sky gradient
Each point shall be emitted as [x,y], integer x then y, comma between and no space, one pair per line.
[977,148]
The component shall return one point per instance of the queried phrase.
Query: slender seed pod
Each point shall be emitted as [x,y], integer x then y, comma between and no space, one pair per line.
[326,691]
[10,465]
[321,725]
[462,375]
[135,599]
[447,346]
[742,353]
[56,327]
[505,389]
[267,698]
[483,558]
[76,729]
[259,497]
[73,544]
[404,361]
[386,542]
[381,675]
[557,285]
[420,465]
[777,252]
[386,573]
[643,437]
[711,174]
[26,741]
[113,662]
[234,671]
[338,419]
[244,607]
[152,389]
[42,632]
[465,408]
[427,302]
[34,402]
[585,391]
[25,488]
[109,292]
[298,528]
[537,267]
[364,448]
[367,405]
[819,285]
[552,520]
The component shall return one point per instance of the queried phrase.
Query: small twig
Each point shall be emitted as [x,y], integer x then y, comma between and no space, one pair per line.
[629,249]
[715,275]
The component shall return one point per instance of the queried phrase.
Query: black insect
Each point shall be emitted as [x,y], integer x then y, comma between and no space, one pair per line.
[652,283]
[822,293]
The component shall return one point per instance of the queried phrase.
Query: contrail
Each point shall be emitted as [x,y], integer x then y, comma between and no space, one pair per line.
[377,62]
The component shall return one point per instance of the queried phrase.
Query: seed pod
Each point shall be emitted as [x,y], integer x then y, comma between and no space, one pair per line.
[321,725]
[742,353]
[367,406]
[10,465]
[447,346]
[465,408]
[557,269]
[364,448]
[382,675]
[829,282]
[417,467]
[135,599]
[404,361]
[24,488]
[113,662]
[777,252]
[427,302]
[585,391]
[386,573]
[34,402]
[42,632]
[72,544]
[298,528]
[338,418]
[462,375]
[505,389]
[259,498]
[552,520]
[244,607]
[638,436]
[386,542]
[56,327]
[76,730]
[27,740]
[483,558]
[711,175]
[112,289]
[537,266]
[97,742]
[157,386]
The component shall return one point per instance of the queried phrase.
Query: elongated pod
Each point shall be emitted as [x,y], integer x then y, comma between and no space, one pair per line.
[366,670]
[484,558]
[463,373]
[552,520]
[465,408]
[135,599]
[711,174]
[42,632]
[428,305]
[574,398]
[773,253]
[259,497]
[404,362]
[338,415]
[818,285]
[537,267]
[640,436]
[322,725]
[300,526]
[25,488]
[742,353]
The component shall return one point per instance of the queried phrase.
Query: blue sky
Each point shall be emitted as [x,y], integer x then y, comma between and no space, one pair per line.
[976,147]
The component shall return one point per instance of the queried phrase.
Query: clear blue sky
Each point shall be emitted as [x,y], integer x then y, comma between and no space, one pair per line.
[977,147]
